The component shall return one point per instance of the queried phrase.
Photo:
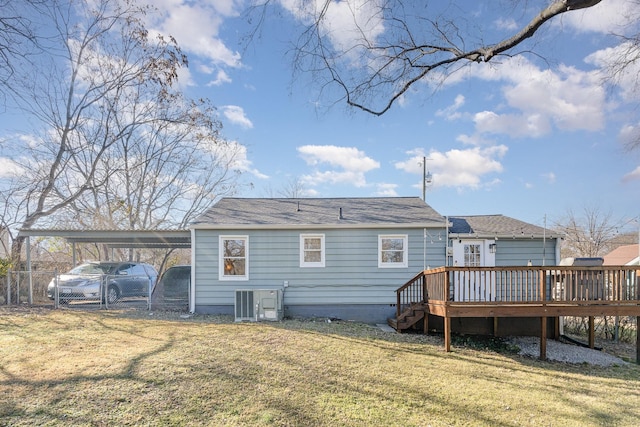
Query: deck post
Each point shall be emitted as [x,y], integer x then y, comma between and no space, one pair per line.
[425,321]
[447,333]
[398,305]
[592,333]
[543,338]
[637,340]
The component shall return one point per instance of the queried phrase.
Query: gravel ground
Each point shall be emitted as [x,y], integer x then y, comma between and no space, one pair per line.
[568,353]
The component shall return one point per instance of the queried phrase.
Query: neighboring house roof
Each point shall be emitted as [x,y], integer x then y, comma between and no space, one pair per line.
[232,212]
[492,226]
[622,255]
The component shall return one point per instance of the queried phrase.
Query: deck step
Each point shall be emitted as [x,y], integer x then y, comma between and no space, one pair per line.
[408,318]
[391,321]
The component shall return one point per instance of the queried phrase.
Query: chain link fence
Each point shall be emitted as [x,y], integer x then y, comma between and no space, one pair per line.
[98,291]
[25,287]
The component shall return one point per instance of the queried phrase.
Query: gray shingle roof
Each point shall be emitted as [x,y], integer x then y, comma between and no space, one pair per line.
[320,211]
[495,226]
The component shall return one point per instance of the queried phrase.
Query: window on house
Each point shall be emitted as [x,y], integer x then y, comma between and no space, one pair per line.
[392,251]
[234,258]
[312,250]
[472,255]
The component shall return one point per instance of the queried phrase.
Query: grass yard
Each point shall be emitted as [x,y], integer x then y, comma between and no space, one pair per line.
[63,367]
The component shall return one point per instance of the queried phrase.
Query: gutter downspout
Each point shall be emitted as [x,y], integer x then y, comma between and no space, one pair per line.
[446,247]
[192,287]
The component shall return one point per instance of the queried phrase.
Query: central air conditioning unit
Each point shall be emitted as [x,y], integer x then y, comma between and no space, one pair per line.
[258,304]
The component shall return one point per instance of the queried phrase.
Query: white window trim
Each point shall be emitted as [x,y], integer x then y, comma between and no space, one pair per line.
[405,253]
[221,275]
[304,264]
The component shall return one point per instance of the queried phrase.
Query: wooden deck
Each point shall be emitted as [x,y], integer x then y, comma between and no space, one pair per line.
[541,292]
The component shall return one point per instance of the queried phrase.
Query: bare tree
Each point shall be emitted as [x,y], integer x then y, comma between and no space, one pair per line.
[591,234]
[294,188]
[383,49]
[94,54]
[17,35]
[161,174]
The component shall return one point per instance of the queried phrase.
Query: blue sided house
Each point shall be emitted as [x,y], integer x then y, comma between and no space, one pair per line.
[263,258]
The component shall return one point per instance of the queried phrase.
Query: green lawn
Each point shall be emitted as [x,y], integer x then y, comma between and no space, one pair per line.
[63,367]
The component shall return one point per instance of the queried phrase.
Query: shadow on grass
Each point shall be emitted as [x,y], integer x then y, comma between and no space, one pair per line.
[296,372]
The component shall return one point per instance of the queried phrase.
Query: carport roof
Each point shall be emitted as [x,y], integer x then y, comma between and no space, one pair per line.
[165,239]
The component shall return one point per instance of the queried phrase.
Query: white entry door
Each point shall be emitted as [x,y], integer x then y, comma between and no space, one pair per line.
[473,285]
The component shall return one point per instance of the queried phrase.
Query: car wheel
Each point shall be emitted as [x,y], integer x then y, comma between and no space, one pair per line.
[112,294]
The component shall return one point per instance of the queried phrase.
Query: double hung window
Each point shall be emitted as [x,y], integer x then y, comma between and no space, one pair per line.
[312,250]
[392,251]
[234,258]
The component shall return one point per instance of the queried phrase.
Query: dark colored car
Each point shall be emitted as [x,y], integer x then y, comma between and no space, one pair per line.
[172,290]
[123,279]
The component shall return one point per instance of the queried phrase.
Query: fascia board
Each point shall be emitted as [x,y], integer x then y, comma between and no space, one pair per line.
[311,226]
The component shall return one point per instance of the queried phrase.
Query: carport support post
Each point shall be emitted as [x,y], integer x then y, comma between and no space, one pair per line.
[149,294]
[56,291]
[9,287]
[28,240]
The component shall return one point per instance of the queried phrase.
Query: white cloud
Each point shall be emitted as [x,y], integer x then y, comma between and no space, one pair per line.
[347,165]
[205,69]
[570,98]
[515,125]
[540,99]
[196,26]
[235,155]
[629,134]
[184,77]
[451,112]
[345,23]
[506,24]
[609,16]
[550,177]
[221,78]
[627,77]
[475,139]
[633,175]
[386,190]
[458,168]
[236,115]
[9,168]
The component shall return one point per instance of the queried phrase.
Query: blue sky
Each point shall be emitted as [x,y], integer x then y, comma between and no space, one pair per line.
[522,136]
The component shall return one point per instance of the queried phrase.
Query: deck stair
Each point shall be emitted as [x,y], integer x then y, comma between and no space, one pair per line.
[409,317]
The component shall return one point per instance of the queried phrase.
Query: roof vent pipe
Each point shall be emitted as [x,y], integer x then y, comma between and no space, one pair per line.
[341,217]
[298,207]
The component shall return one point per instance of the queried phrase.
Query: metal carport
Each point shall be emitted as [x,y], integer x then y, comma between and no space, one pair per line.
[156,239]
